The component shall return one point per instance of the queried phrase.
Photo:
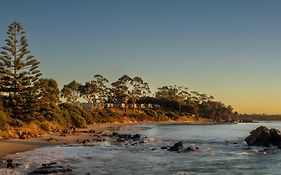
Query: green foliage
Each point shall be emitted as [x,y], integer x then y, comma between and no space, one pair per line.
[151,113]
[100,117]
[78,121]
[71,91]
[139,117]
[15,122]
[171,114]
[78,116]
[44,126]
[49,91]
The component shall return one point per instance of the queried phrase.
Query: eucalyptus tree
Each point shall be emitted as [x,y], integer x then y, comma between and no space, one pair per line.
[121,89]
[88,91]
[102,92]
[19,73]
[71,91]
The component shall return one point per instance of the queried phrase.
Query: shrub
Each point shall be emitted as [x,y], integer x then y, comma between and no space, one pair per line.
[151,113]
[78,121]
[44,126]
[3,120]
[15,122]
[172,115]
[138,117]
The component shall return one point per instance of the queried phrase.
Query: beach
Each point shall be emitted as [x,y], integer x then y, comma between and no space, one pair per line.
[11,146]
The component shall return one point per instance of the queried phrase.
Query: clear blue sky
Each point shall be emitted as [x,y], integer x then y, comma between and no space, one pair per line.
[230,49]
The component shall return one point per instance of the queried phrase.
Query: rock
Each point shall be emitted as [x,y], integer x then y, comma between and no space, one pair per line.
[51,168]
[10,164]
[115,134]
[262,136]
[176,147]
[85,141]
[164,147]
[136,137]
[92,131]
[52,140]
[191,148]
[275,137]
[100,132]
[259,137]
[119,139]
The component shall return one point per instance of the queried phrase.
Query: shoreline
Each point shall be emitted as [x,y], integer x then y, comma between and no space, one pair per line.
[12,146]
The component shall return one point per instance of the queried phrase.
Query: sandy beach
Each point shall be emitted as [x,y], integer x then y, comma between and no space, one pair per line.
[11,146]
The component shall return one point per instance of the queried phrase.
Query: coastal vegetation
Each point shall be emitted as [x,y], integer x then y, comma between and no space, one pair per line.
[31,105]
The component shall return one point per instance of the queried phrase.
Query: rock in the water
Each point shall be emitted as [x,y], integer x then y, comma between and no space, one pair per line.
[136,137]
[275,137]
[176,147]
[50,169]
[10,164]
[191,148]
[262,136]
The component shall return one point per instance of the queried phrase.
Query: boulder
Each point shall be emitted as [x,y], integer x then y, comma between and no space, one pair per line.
[176,147]
[275,137]
[262,136]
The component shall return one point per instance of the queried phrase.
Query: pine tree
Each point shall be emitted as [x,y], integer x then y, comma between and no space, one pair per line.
[19,73]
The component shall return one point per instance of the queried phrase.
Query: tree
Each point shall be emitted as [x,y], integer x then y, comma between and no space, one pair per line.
[88,91]
[71,91]
[102,90]
[139,89]
[49,91]
[19,72]
[120,90]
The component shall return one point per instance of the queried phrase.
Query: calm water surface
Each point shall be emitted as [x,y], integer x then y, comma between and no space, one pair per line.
[222,150]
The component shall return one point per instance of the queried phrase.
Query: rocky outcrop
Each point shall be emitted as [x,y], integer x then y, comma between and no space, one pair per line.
[262,136]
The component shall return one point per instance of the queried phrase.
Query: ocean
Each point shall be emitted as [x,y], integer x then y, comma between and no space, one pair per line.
[221,150]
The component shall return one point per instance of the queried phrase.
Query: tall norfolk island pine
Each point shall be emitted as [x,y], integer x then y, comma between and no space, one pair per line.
[19,73]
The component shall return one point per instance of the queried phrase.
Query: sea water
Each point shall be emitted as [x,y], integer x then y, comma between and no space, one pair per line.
[222,150]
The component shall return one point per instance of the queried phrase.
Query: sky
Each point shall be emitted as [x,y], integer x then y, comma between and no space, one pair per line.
[225,48]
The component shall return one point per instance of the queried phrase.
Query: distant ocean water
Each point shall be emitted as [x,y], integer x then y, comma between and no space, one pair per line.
[222,150]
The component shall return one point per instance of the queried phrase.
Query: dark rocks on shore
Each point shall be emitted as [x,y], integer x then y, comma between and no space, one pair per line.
[135,139]
[191,148]
[262,136]
[10,164]
[164,147]
[25,135]
[52,140]
[51,168]
[177,147]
